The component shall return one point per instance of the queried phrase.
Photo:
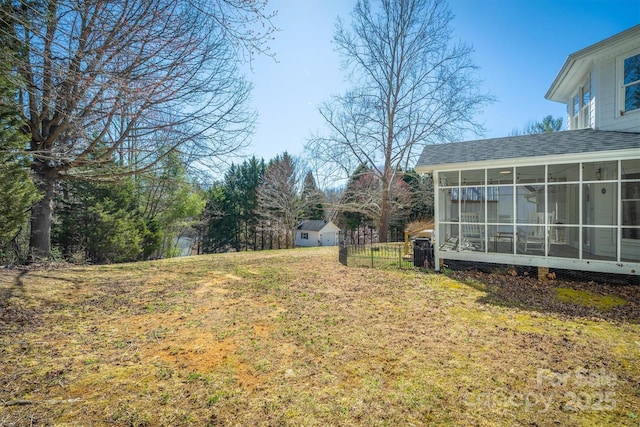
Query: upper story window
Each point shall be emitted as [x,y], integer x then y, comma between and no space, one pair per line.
[580,107]
[631,83]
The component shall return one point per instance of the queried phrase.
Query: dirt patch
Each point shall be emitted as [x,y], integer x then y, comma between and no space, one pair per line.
[262,330]
[212,286]
[191,352]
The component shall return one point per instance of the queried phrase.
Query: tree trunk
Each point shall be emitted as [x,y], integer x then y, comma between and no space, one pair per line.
[41,214]
[383,224]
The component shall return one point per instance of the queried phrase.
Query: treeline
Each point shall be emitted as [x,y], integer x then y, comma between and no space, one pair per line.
[101,103]
[139,217]
[257,206]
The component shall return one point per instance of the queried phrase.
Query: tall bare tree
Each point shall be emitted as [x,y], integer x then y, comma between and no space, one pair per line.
[278,197]
[362,197]
[113,86]
[413,87]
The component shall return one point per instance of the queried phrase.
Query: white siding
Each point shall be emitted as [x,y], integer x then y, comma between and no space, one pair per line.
[607,109]
[604,103]
[311,241]
[604,63]
[328,236]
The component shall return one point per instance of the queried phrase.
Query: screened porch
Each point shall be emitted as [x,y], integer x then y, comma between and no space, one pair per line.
[576,212]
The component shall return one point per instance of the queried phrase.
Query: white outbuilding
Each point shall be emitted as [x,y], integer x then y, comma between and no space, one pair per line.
[317,233]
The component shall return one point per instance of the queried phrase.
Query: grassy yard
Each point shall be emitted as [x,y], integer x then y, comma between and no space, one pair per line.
[295,338]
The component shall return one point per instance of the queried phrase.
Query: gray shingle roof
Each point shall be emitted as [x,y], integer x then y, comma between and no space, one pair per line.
[525,146]
[312,225]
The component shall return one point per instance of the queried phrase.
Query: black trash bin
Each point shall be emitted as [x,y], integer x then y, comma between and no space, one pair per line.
[422,252]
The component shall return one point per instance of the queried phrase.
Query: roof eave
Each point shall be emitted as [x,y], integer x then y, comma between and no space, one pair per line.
[583,54]
[524,161]
[551,94]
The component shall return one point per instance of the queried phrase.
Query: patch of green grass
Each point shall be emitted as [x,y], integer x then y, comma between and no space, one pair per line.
[164,398]
[213,399]
[589,299]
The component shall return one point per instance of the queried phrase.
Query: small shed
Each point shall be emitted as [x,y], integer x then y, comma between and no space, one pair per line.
[317,233]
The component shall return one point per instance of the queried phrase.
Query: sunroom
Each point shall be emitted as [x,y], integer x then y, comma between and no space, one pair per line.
[565,200]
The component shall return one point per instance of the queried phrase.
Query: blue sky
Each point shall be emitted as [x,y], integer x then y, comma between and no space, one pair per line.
[520,45]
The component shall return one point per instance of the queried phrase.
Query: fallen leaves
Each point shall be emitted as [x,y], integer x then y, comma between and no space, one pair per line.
[511,289]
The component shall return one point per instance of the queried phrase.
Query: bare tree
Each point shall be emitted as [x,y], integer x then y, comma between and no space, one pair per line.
[278,197]
[413,87]
[332,198]
[363,196]
[111,87]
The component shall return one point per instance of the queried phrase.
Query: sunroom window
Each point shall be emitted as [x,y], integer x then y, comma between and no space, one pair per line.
[580,210]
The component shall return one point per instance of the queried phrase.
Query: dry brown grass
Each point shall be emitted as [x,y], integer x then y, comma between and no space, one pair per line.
[295,338]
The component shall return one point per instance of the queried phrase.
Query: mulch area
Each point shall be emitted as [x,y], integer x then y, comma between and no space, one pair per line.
[511,289]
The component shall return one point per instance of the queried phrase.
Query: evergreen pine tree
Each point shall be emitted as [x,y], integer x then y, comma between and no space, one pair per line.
[17,191]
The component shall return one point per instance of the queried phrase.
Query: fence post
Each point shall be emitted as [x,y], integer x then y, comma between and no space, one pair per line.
[371,254]
[343,255]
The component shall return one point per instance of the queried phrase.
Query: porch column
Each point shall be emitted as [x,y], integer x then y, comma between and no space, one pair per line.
[435,236]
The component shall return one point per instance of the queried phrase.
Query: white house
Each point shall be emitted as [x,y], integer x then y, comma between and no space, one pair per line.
[568,200]
[317,233]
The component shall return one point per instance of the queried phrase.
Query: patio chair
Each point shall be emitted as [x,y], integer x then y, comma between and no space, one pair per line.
[534,239]
[472,230]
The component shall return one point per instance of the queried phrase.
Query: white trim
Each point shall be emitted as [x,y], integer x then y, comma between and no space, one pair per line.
[630,268]
[436,221]
[528,161]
